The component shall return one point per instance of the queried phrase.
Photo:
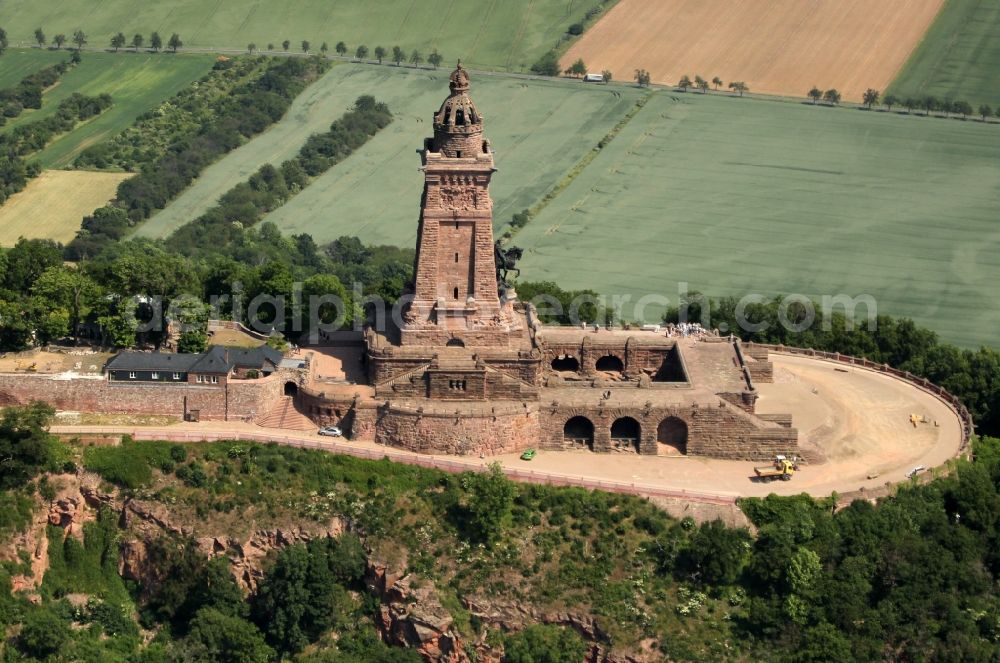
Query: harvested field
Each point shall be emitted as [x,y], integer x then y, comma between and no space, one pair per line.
[52,204]
[780,47]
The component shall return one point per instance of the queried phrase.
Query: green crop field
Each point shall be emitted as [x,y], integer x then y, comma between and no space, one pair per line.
[505,34]
[312,112]
[753,196]
[539,130]
[15,64]
[959,57]
[136,82]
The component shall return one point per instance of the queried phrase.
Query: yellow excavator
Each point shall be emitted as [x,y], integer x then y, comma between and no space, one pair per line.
[782,468]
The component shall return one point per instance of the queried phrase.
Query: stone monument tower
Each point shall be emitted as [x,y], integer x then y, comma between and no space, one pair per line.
[455,297]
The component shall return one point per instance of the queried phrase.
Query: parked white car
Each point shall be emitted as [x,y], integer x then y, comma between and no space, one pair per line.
[331,431]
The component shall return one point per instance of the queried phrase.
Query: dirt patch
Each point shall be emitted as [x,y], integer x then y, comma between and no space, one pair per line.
[101,419]
[54,203]
[776,46]
[234,338]
[40,361]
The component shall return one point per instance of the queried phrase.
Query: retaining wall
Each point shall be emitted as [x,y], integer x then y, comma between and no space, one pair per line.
[236,399]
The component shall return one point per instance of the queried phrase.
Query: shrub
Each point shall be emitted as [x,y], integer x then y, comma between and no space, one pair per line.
[192,475]
[717,554]
[129,464]
[25,445]
[304,573]
[547,65]
[172,145]
[28,92]
[113,619]
[541,643]
[118,466]
[216,636]
[43,633]
[520,219]
[28,138]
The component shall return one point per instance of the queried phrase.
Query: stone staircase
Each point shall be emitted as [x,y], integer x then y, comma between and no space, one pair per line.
[285,415]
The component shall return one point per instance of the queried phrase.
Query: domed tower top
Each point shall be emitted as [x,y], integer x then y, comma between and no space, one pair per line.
[458,126]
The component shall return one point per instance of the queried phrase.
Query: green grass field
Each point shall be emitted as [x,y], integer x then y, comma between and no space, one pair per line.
[136,82]
[312,112]
[740,196]
[539,130]
[15,64]
[505,34]
[959,57]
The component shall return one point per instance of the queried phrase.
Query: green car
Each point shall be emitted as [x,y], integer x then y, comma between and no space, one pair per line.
[528,455]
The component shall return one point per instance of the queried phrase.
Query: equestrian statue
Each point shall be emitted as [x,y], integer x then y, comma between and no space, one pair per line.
[506,261]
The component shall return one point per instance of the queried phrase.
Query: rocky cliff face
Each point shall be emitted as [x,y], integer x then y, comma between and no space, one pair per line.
[146,520]
[411,612]
[76,502]
[412,615]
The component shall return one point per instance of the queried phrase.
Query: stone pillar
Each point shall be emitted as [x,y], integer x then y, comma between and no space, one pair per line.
[587,358]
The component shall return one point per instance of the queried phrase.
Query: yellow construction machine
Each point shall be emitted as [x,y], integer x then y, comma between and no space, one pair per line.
[782,468]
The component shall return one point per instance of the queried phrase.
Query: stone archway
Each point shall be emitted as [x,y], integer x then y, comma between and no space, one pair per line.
[672,436]
[579,432]
[626,434]
[566,364]
[455,343]
[291,389]
[609,364]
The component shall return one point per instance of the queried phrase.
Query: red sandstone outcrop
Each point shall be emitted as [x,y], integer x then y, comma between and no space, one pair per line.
[35,543]
[146,520]
[411,613]
[75,503]
[133,563]
[247,557]
[510,616]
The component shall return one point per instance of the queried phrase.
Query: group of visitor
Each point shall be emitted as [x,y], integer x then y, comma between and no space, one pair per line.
[685,329]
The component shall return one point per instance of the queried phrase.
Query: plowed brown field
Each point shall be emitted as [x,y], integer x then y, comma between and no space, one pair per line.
[775,46]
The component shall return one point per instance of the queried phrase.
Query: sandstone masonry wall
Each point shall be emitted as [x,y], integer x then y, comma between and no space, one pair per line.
[235,400]
[463,435]
[719,431]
